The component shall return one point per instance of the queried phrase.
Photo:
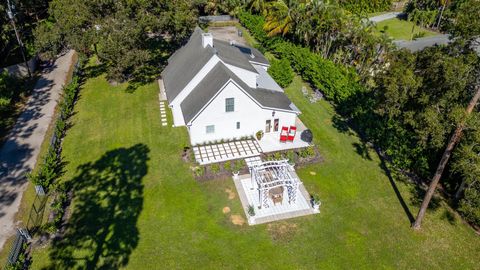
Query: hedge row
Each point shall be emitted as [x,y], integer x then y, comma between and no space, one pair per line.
[336,82]
[365,6]
[52,167]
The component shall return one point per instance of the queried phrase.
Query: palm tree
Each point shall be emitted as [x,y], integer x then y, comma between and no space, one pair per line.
[282,16]
[257,5]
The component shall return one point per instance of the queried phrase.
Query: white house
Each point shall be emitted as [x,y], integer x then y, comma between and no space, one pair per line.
[221,90]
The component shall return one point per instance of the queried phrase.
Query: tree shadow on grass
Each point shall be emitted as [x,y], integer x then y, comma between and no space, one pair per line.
[93,71]
[107,200]
[404,205]
[362,149]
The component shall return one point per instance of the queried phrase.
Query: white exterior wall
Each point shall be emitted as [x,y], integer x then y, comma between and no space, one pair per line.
[175,104]
[251,116]
[248,77]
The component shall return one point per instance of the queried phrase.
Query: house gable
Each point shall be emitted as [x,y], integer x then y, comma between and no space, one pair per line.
[214,83]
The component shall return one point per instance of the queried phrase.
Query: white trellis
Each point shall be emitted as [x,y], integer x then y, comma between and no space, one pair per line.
[271,174]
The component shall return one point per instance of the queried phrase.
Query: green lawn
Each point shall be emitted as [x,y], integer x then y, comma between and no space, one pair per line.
[401,29]
[137,206]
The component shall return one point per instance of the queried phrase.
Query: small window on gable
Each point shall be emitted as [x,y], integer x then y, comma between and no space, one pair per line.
[238,125]
[210,129]
[229,105]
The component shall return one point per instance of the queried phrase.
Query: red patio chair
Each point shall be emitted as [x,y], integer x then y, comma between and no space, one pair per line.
[284,134]
[291,133]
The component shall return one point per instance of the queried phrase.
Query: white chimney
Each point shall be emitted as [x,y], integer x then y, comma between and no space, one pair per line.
[207,39]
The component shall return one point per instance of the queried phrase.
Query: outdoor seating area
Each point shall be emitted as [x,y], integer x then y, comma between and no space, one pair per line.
[274,191]
[287,138]
[288,134]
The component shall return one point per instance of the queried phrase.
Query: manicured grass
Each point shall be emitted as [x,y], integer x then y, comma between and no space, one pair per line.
[137,205]
[401,29]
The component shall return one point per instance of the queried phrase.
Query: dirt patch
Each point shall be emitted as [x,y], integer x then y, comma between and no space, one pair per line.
[231,194]
[237,220]
[226,210]
[282,231]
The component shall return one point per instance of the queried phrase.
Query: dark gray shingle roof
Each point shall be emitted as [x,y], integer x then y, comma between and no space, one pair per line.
[187,61]
[212,84]
[232,55]
[258,57]
[184,64]
[204,91]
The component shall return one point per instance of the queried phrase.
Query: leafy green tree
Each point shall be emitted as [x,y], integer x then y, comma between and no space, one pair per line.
[465,21]
[119,32]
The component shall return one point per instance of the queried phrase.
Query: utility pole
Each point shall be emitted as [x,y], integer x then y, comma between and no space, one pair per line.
[11,16]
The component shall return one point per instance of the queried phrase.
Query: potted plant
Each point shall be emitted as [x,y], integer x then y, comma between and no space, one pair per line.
[251,214]
[259,135]
[315,200]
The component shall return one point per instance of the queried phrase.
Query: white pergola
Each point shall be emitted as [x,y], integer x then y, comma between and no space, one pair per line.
[268,175]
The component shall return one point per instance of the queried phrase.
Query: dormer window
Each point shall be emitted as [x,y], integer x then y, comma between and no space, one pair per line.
[229,105]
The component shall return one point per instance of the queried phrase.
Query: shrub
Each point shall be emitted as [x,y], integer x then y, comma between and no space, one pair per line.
[365,6]
[470,204]
[227,166]
[198,171]
[315,198]
[281,72]
[307,152]
[291,156]
[277,156]
[259,134]
[215,168]
[239,164]
[251,210]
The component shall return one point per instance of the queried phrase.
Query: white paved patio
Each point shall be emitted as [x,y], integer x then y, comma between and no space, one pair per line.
[226,151]
[249,196]
[271,141]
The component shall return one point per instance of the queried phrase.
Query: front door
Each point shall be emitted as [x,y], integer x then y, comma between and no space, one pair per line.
[268,126]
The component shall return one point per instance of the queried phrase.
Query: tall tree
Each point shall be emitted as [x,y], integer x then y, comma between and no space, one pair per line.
[119,32]
[444,160]
[283,15]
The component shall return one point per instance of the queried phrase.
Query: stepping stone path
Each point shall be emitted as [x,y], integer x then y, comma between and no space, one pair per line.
[163,114]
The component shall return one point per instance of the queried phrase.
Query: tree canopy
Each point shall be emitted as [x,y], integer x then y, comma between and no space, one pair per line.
[117,31]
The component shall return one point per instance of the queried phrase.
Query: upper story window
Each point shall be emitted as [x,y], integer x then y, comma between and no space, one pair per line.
[229,105]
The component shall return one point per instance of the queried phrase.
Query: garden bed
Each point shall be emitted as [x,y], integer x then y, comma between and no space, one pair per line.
[300,157]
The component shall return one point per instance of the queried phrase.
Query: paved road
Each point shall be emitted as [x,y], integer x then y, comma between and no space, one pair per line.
[422,43]
[384,17]
[19,153]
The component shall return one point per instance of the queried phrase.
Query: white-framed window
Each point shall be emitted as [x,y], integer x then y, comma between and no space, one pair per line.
[229,104]
[238,125]
[210,129]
